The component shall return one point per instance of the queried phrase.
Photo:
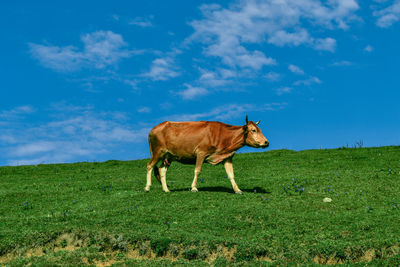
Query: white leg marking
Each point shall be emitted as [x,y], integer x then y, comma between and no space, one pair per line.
[229,171]
[197,171]
[148,183]
[163,174]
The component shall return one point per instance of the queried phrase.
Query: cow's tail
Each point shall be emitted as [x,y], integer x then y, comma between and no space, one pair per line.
[157,173]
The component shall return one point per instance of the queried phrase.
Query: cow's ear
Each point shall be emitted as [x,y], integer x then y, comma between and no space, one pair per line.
[247,119]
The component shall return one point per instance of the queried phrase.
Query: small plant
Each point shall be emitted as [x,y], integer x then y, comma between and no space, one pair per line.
[28,205]
[63,243]
[191,253]
[173,249]
[119,243]
[144,247]
[160,246]
[106,188]
[90,209]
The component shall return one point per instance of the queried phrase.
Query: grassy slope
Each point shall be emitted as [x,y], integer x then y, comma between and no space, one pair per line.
[281,214]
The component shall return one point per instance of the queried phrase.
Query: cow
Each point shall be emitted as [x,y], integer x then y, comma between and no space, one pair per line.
[195,142]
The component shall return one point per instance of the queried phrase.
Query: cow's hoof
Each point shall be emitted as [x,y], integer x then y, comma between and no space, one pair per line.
[167,191]
[195,190]
[146,189]
[239,192]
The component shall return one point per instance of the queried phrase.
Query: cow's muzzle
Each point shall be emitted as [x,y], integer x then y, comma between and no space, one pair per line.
[266,144]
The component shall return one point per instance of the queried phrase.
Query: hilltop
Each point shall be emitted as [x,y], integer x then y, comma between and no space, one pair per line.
[97,213]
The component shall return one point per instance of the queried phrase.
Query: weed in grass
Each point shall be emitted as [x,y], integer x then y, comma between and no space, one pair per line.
[119,243]
[144,247]
[174,249]
[28,205]
[191,253]
[160,246]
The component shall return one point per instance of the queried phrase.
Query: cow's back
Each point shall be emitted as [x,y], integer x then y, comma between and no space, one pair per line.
[184,139]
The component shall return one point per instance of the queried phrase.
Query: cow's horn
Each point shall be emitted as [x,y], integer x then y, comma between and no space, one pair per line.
[247,119]
[258,122]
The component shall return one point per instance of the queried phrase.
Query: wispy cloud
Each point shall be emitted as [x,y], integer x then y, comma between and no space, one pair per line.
[389,15]
[295,69]
[144,110]
[71,133]
[162,69]
[342,63]
[368,48]
[309,81]
[100,49]
[16,112]
[226,112]
[284,90]
[272,76]
[217,78]
[142,21]
[192,92]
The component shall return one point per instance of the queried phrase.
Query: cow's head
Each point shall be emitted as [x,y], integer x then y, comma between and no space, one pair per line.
[253,135]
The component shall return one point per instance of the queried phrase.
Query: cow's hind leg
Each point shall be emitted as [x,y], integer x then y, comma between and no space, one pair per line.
[197,171]
[163,174]
[152,164]
[229,171]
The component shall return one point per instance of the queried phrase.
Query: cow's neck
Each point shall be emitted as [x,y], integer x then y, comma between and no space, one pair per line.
[237,139]
[234,140]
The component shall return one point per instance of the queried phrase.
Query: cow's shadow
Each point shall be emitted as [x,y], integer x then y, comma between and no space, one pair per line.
[254,190]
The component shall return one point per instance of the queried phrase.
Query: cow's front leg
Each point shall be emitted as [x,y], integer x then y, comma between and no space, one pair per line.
[197,171]
[229,171]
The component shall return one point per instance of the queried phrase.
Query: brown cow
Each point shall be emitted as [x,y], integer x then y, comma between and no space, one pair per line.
[194,142]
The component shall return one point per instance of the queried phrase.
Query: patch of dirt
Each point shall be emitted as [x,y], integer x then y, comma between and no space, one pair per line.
[68,242]
[35,252]
[369,255]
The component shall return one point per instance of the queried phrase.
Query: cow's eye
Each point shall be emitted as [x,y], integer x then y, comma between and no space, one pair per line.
[253,131]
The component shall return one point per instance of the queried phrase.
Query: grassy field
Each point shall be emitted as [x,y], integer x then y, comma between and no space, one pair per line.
[98,213]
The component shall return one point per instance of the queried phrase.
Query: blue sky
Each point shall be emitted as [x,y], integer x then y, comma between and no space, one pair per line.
[87,80]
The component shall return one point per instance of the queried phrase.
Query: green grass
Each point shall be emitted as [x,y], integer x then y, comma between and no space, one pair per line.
[88,213]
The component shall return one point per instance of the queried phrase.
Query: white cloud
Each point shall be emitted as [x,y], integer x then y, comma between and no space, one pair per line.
[342,63]
[219,77]
[100,49]
[282,37]
[272,76]
[295,69]
[192,92]
[227,32]
[284,90]
[162,69]
[17,112]
[309,81]
[328,44]
[7,138]
[368,48]
[142,21]
[144,110]
[388,15]
[227,112]
[74,133]
[33,148]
